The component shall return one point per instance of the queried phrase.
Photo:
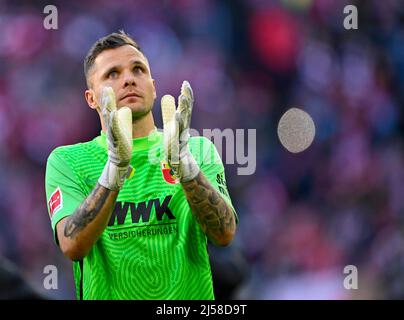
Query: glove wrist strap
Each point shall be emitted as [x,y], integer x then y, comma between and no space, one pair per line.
[113,176]
[188,168]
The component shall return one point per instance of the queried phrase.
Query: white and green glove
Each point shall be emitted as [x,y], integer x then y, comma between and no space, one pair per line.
[119,141]
[176,124]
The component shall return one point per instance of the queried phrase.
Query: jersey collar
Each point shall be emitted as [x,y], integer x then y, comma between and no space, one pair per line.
[139,144]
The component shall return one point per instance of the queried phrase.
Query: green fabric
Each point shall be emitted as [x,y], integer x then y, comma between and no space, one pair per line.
[153,247]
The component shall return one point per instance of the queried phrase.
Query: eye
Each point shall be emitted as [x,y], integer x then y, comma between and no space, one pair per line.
[113,74]
[138,69]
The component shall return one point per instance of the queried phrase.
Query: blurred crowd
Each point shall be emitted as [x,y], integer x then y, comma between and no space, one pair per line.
[303,217]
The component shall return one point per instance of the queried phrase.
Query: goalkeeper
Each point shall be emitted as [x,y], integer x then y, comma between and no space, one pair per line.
[134,228]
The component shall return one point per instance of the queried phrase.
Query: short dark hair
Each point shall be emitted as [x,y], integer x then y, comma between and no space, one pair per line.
[111,41]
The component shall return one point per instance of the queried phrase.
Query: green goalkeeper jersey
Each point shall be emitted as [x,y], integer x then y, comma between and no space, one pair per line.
[153,247]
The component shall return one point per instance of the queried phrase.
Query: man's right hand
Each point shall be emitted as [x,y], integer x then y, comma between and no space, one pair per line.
[118,124]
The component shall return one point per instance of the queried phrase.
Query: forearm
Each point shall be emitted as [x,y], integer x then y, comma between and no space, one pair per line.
[83,228]
[215,216]
[212,212]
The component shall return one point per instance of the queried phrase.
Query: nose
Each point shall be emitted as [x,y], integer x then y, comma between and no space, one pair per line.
[129,79]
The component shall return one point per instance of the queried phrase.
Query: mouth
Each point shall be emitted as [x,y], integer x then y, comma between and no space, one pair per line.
[131,95]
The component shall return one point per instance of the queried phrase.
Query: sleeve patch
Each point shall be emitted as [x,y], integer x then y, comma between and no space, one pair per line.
[55,202]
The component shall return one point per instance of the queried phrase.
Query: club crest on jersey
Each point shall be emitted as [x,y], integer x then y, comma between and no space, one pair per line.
[168,173]
[55,202]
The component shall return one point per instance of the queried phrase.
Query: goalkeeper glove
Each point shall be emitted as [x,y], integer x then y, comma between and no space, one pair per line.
[176,124]
[119,141]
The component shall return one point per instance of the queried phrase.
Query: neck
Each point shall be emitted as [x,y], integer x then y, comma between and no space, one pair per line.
[143,126]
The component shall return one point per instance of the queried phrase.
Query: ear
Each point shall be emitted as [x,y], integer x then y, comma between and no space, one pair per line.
[154,90]
[89,94]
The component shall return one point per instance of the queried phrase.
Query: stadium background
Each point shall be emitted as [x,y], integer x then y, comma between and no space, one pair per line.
[303,217]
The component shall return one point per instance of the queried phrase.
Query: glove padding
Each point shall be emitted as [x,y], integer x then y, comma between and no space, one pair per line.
[176,123]
[119,141]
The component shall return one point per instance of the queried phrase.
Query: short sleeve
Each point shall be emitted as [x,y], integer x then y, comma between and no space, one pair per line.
[63,193]
[208,158]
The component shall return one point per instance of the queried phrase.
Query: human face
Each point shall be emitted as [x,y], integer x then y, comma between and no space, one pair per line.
[127,71]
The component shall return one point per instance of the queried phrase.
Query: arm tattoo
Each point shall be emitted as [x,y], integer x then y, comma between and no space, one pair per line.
[212,212]
[87,211]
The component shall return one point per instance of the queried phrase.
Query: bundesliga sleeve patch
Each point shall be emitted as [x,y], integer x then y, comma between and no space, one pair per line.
[55,202]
